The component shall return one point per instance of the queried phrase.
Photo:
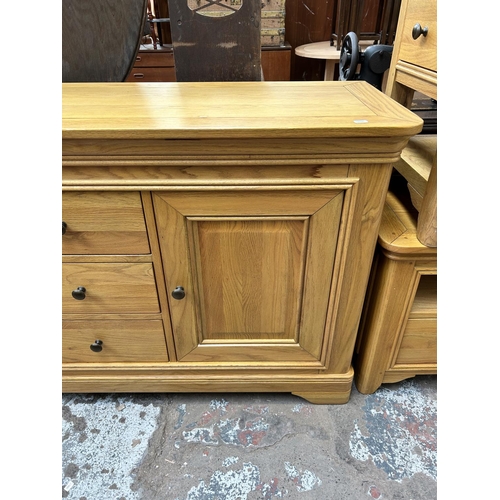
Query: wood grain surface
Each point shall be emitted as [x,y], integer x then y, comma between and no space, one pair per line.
[224,110]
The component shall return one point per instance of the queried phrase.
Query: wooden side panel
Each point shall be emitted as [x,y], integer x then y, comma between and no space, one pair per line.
[384,321]
[364,220]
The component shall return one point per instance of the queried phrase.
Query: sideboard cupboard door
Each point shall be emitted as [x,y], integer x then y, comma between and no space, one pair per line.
[249,271]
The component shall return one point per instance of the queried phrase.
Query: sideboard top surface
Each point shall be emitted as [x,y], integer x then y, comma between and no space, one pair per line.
[225,110]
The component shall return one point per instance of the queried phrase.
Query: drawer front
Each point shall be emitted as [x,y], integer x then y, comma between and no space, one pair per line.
[109,288]
[159,58]
[152,74]
[122,341]
[419,345]
[422,51]
[107,223]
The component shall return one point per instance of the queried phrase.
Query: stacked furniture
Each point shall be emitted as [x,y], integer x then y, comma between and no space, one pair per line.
[398,332]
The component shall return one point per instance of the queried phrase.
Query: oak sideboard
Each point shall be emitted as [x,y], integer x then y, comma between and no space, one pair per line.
[218,237]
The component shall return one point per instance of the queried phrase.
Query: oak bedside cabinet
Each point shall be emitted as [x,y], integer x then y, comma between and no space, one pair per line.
[218,237]
[398,333]
[414,69]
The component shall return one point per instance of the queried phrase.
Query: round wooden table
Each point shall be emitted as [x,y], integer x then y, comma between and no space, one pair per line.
[321,50]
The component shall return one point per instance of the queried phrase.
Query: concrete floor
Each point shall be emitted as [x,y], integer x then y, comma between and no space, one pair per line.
[251,446]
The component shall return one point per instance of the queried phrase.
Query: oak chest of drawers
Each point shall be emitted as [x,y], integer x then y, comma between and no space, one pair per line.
[219,238]
[110,302]
[153,66]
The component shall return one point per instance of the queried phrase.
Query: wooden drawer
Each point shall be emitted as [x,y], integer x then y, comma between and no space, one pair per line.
[152,74]
[110,288]
[422,51]
[157,58]
[122,341]
[108,223]
[419,344]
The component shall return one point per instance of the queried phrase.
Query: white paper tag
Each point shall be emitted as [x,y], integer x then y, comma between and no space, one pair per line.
[69,486]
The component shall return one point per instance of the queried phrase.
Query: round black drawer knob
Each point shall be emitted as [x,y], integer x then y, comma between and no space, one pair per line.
[179,293]
[418,30]
[96,346]
[64,227]
[79,293]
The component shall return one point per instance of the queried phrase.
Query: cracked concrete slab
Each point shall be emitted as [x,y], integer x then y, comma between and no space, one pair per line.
[252,446]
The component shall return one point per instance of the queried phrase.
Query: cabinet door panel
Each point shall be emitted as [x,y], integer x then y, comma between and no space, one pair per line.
[247,275]
[248,278]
